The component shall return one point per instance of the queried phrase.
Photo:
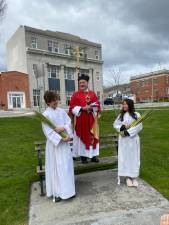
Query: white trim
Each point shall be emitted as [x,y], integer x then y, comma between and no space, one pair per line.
[10,104]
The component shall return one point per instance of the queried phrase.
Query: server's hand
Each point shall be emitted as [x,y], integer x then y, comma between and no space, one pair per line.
[66,139]
[59,129]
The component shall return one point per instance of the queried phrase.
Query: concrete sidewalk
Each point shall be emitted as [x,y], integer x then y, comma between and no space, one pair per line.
[19,113]
[100,201]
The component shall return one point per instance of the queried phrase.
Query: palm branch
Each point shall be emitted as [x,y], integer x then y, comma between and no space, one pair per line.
[48,122]
[142,118]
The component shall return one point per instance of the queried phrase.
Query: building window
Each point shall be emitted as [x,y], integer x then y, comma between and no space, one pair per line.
[155,81]
[53,78]
[167,90]
[143,83]
[69,73]
[36,97]
[53,46]
[53,71]
[146,82]
[97,76]
[34,42]
[96,54]
[68,97]
[67,49]
[82,53]
[84,71]
[35,70]
[16,100]
[50,46]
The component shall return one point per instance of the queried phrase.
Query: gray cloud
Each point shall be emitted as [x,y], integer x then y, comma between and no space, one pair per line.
[134,34]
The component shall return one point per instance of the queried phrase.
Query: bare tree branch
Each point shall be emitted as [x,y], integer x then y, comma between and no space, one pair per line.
[3,6]
[116,76]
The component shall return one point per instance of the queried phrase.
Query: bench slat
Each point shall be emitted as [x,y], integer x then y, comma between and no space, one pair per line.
[107,146]
[40,142]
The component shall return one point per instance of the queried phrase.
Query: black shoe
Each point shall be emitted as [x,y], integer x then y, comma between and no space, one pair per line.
[95,159]
[84,159]
[58,199]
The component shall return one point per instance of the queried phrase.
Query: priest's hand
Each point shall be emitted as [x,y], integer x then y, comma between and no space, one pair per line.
[66,139]
[87,108]
[59,129]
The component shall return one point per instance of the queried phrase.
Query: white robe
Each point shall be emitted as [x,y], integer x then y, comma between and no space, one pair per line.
[58,162]
[79,148]
[128,148]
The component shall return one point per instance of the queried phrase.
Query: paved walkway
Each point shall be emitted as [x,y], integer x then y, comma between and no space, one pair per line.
[100,201]
[4,114]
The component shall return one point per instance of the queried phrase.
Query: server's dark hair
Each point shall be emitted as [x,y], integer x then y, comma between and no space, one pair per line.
[50,96]
[131,110]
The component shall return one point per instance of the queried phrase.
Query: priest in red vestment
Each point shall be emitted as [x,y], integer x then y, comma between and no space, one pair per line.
[85,110]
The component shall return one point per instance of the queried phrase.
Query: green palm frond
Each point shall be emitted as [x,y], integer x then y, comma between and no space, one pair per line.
[145,116]
[48,122]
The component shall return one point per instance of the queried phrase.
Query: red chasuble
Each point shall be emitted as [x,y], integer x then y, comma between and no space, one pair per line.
[84,124]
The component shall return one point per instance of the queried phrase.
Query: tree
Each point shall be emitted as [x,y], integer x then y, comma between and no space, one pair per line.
[2,8]
[116,76]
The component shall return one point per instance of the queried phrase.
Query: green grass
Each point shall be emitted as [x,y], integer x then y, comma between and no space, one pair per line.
[17,167]
[18,159]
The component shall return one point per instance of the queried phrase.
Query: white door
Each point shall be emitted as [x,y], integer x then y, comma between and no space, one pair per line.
[16,100]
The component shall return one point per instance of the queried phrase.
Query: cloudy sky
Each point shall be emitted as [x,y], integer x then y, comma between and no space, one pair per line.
[134,33]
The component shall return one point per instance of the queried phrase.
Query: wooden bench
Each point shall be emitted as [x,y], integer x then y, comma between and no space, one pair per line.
[109,141]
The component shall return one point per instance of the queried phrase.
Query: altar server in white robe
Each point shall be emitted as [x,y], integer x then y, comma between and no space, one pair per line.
[129,145]
[58,162]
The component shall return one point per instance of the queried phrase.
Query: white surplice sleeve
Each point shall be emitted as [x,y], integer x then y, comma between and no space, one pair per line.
[135,130]
[117,124]
[68,125]
[76,110]
[51,135]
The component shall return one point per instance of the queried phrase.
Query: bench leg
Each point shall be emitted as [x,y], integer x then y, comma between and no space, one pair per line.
[41,186]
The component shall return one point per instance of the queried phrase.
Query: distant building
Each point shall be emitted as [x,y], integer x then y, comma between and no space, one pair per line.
[49,59]
[122,89]
[152,86]
[14,90]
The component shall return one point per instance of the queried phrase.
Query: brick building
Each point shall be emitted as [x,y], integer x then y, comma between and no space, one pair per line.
[151,87]
[14,90]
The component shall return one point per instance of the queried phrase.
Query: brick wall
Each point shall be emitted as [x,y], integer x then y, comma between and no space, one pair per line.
[13,81]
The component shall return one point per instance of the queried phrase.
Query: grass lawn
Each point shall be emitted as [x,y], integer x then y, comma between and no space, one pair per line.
[18,160]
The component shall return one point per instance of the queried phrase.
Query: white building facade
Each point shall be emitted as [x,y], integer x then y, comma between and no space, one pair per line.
[49,58]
